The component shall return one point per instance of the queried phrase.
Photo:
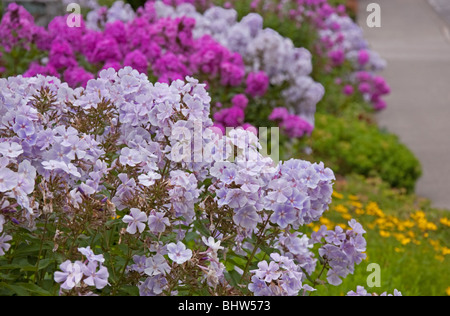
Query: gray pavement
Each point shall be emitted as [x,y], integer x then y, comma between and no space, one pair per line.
[442,7]
[415,41]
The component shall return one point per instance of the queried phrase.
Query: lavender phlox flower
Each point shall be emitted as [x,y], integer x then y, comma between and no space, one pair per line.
[361,291]
[23,127]
[357,227]
[267,271]
[11,149]
[281,190]
[61,165]
[283,275]
[149,179]
[247,217]
[70,274]
[4,246]
[214,273]
[136,221]
[157,222]
[178,252]
[156,265]
[283,215]
[153,286]
[8,179]
[213,247]
[130,157]
[90,255]
[259,287]
[336,237]
[2,222]
[94,277]
[139,264]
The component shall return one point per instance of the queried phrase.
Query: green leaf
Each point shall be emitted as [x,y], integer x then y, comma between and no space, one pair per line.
[190,236]
[201,228]
[34,289]
[18,290]
[130,290]
[10,266]
[235,277]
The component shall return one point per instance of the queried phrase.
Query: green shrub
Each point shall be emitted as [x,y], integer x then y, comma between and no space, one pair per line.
[350,146]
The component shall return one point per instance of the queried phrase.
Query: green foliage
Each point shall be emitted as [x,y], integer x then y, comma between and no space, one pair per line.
[348,145]
[17,61]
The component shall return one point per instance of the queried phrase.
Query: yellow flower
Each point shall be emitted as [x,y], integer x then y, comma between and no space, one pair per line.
[422,222]
[356,204]
[385,234]
[445,251]
[337,195]
[401,227]
[399,249]
[343,226]
[359,211]
[418,215]
[373,209]
[353,197]
[445,221]
[431,226]
[435,244]
[347,216]
[408,224]
[448,291]
[381,222]
[405,241]
[341,209]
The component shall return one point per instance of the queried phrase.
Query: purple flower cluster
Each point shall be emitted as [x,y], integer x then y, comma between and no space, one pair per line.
[100,16]
[291,194]
[291,124]
[150,153]
[342,41]
[361,291]
[372,87]
[163,46]
[298,247]
[280,277]
[341,250]
[233,116]
[257,84]
[262,49]
[17,28]
[91,272]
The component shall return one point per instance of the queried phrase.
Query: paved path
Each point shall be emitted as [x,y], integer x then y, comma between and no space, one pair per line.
[415,41]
